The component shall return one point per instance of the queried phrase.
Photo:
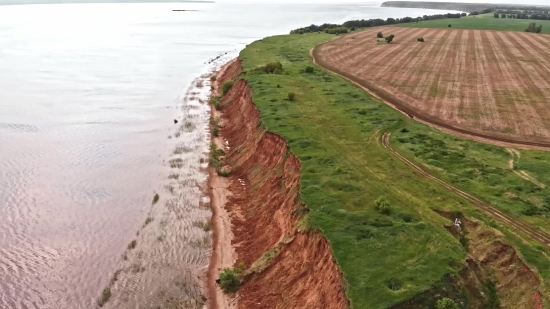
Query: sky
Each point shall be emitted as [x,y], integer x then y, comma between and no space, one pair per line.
[366,2]
[541,2]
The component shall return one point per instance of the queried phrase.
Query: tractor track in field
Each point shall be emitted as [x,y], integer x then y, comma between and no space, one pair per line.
[490,210]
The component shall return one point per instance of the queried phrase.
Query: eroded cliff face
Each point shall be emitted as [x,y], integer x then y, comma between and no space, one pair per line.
[286,267]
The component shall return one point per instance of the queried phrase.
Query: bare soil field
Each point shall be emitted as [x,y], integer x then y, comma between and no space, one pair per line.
[491,84]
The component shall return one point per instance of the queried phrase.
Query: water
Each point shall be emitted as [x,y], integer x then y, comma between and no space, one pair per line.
[88,94]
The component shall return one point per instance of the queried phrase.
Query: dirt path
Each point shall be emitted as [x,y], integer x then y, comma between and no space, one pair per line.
[523,174]
[490,210]
[223,254]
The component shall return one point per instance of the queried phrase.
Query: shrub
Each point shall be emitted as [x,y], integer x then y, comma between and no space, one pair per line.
[156,198]
[389,39]
[104,298]
[382,205]
[226,86]
[229,280]
[278,85]
[379,35]
[270,68]
[420,39]
[446,303]
[213,78]
[338,30]
[309,69]
[449,26]
[291,96]
[215,101]
[132,244]
[216,131]
[533,28]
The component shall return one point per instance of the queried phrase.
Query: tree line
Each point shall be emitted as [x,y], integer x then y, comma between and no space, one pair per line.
[522,16]
[366,23]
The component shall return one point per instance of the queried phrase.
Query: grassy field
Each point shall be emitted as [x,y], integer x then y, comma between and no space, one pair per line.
[333,127]
[481,22]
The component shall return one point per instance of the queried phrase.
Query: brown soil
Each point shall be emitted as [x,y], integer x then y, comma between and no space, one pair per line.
[483,84]
[287,268]
[490,258]
[516,283]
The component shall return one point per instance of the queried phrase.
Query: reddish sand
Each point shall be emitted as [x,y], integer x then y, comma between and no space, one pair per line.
[490,84]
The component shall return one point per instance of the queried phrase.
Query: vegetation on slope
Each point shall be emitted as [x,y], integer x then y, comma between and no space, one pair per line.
[333,128]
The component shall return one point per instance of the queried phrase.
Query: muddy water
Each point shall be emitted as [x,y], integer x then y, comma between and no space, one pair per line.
[88,94]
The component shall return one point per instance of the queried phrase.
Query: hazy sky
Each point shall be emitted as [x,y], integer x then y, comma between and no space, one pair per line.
[366,2]
[542,2]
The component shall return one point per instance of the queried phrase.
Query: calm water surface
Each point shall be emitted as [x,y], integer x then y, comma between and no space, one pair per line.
[87,100]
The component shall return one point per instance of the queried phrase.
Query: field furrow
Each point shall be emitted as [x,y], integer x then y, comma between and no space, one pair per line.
[386,52]
[427,88]
[516,90]
[449,105]
[536,71]
[408,66]
[397,63]
[448,78]
[402,84]
[489,118]
[426,66]
[360,51]
[468,87]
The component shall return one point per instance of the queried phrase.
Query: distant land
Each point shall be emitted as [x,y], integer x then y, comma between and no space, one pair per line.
[19,2]
[465,7]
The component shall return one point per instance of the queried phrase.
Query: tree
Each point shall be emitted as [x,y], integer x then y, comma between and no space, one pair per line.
[379,35]
[389,38]
[533,28]
[309,69]
[382,205]
[449,26]
[446,303]
[496,15]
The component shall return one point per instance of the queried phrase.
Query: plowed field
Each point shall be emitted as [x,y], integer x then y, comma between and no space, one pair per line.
[492,84]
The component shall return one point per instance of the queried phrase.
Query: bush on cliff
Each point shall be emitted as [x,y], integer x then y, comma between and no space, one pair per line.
[229,281]
[227,85]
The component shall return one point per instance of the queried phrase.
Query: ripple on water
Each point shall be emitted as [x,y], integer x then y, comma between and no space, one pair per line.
[173,245]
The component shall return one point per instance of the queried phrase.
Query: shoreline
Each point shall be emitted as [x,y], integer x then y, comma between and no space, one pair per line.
[223,254]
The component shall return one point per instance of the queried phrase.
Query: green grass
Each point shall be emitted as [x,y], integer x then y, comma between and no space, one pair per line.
[333,128]
[483,170]
[480,22]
